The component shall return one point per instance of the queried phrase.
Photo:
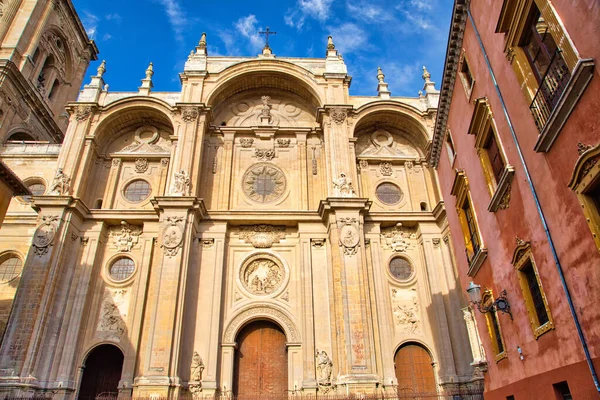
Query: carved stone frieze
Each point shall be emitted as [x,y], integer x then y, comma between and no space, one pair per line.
[363,165]
[181,184]
[113,314]
[265,154]
[172,236]
[116,162]
[189,114]
[582,148]
[44,235]
[436,242]
[246,142]
[262,236]
[317,243]
[398,238]
[405,307]
[207,243]
[386,168]
[141,165]
[164,162]
[126,236]
[284,142]
[338,115]
[505,200]
[349,235]
[82,113]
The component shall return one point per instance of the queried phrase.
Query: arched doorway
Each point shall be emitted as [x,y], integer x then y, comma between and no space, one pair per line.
[102,373]
[414,370]
[261,367]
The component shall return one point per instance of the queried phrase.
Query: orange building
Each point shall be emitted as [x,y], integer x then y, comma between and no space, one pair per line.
[516,145]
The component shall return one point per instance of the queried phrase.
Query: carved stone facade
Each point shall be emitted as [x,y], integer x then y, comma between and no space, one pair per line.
[174,221]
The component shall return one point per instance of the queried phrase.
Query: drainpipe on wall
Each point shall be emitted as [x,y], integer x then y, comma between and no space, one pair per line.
[538,206]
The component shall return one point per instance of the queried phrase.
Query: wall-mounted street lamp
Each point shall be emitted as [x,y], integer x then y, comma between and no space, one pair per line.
[501,303]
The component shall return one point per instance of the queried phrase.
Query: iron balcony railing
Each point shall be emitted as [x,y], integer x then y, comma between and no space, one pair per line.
[552,86]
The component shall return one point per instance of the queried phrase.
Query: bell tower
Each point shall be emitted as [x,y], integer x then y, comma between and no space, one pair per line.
[44,53]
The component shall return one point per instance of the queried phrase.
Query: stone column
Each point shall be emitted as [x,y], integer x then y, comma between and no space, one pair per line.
[32,327]
[338,154]
[166,289]
[352,321]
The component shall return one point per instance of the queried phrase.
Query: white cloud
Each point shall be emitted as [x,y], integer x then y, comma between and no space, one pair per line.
[348,37]
[246,26]
[421,4]
[317,9]
[419,21]
[90,22]
[106,36]
[176,17]
[230,42]
[113,17]
[400,76]
[368,12]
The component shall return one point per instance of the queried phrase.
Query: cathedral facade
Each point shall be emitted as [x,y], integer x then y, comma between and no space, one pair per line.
[260,232]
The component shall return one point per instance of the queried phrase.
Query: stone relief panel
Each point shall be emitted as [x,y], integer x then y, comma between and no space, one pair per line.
[43,237]
[259,109]
[349,235]
[405,307]
[398,238]
[112,321]
[262,236]
[146,139]
[125,237]
[262,274]
[383,144]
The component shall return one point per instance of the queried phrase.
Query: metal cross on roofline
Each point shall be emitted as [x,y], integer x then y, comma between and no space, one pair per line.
[267,32]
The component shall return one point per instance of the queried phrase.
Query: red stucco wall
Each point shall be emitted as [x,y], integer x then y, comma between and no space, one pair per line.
[556,355]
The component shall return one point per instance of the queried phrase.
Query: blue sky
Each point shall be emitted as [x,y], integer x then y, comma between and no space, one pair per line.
[400,36]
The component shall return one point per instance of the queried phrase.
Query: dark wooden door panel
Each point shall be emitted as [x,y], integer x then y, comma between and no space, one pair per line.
[414,370]
[260,362]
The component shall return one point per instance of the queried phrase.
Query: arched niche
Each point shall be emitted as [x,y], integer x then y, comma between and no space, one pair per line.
[265,75]
[133,153]
[258,312]
[390,150]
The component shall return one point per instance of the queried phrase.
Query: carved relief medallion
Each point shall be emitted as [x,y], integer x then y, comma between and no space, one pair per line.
[44,235]
[262,275]
[349,235]
[264,183]
[141,165]
[338,115]
[172,236]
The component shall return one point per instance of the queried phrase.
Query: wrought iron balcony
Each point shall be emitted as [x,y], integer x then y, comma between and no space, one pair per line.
[552,86]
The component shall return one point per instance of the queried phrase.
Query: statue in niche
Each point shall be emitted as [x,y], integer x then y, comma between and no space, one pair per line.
[196,368]
[324,367]
[342,187]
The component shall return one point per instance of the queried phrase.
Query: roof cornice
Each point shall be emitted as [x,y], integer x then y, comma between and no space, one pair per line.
[455,39]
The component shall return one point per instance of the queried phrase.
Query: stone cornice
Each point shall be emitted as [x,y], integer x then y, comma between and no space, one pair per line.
[455,39]
[12,181]
[32,98]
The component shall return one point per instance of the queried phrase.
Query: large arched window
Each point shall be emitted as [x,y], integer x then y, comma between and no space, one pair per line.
[414,370]
[20,137]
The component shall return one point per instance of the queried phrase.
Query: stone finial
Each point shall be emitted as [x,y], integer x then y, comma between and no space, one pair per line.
[382,87]
[101,69]
[330,45]
[147,81]
[202,42]
[426,75]
[150,71]
[380,75]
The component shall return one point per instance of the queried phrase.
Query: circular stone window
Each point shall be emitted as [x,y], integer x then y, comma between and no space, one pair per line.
[262,275]
[36,188]
[400,268]
[137,190]
[10,268]
[388,193]
[121,269]
[264,183]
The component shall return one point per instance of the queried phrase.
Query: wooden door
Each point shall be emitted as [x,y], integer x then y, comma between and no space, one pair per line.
[102,373]
[414,370]
[261,370]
